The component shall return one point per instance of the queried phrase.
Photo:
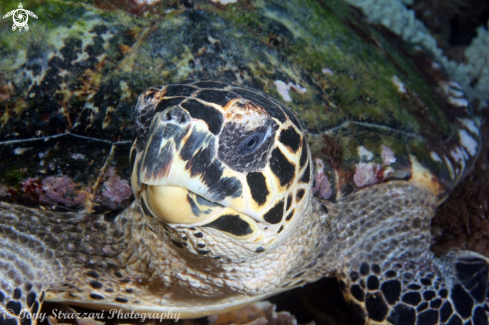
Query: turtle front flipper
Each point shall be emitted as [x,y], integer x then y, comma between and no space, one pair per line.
[387,273]
[447,290]
[23,269]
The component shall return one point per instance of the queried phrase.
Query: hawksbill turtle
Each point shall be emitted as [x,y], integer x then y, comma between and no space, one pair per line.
[305,146]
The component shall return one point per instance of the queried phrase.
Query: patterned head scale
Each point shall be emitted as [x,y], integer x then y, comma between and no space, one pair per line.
[216,159]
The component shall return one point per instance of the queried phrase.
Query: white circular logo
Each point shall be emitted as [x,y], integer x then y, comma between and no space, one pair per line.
[20,17]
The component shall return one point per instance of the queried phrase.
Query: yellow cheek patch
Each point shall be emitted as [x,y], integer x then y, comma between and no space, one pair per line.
[176,205]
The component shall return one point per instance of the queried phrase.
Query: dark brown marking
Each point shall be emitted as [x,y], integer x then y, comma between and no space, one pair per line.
[123,300]
[299,195]
[201,162]
[177,243]
[364,269]
[275,214]
[258,187]
[93,274]
[168,102]
[390,274]
[412,298]
[259,249]
[324,208]
[218,97]
[428,317]
[290,138]
[429,295]
[303,158]
[357,292]
[414,286]
[96,284]
[31,297]
[290,215]
[17,293]
[422,306]
[179,90]
[376,269]
[280,230]
[96,296]
[376,307]
[306,177]
[373,283]
[211,116]
[403,315]
[35,307]
[232,224]
[193,143]
[298,274]
[145,208]
[446,311]
[24,319]
[462,300]
[14,306]
[289,202]
[391,290]
[480,317]
[436,303]
[473,273]
[281,167]
[455,320]
[353,276]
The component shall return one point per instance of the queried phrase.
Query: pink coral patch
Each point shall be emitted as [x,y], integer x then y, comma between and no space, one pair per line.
[366,174]
[388,155]
[55,189]
[322,189]
[61,190]
[115,188]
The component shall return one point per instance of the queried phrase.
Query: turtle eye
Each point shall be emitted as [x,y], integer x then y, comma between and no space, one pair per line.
[251,143]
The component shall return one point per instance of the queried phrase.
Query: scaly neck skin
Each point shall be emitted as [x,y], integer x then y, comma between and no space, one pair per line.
[158,263]
[381,221]
[97,262]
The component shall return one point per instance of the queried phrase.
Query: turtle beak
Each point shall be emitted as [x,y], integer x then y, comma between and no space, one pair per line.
[177,176]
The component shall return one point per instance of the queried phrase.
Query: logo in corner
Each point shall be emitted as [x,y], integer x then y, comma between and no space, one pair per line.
[20,17]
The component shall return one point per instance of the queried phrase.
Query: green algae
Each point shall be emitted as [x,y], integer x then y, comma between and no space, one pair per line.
[347,68]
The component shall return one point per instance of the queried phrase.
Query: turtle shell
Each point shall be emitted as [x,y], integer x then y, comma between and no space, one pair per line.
[374,110]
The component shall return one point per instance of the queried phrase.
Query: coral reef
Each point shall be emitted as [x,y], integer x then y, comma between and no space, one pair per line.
[472,74]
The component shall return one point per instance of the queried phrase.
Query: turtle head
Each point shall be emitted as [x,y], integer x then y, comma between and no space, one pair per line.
[217,166]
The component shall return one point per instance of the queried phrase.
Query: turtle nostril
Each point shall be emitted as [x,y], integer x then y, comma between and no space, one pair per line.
[177,116]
